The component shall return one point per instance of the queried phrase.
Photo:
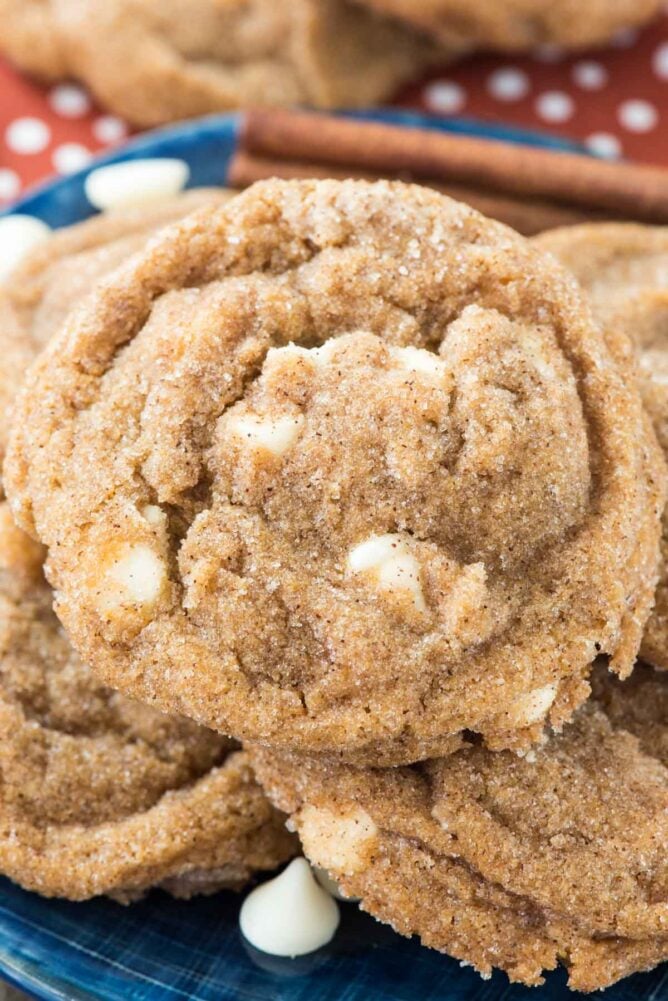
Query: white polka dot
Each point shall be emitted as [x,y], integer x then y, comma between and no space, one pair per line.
[508,84]
[660,61]
[555,106]
[590,75]
[69,101]
[637,116]
[445,96]
[70,157]
[109,129]
[549,53]
[604,144]
[625,38]
[10,184]
[27,135]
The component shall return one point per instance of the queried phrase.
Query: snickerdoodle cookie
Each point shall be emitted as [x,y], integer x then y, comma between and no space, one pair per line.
[30,37]
[624,268]
[99,794]
[155,61]
[57,274]
[509,862]
[519,24]
[345,468]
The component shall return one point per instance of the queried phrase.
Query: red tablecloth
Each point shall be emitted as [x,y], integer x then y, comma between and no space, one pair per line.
[615,100]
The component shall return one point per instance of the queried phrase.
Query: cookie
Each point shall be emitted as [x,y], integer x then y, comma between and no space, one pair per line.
[158,62]
[84,772]
[30,38]
[517,863]
[624,268]
[515,25]
[54,276]
[102,795]
[360,474]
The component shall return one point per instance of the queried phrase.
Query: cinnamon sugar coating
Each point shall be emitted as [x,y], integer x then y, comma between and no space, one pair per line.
[624,269]
[360,474]
[102,795]
[508,862]
[99,794]
[56,275]
[159,62]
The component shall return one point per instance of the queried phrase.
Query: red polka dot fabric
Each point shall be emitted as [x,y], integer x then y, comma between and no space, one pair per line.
[613,100]
[47,130]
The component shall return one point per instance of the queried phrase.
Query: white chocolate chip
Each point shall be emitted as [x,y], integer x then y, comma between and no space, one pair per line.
[290,915]
[275,436]
[135,182]
[534,706]
[153,515]
[338,842]
[419,360]
[134,576]
[392,562]
[369,555]
[18,235]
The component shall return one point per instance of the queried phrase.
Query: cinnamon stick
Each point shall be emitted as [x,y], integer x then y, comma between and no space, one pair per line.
[527,216]
[619,189]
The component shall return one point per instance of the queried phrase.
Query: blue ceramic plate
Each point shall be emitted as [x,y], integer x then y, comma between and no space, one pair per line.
[167,949]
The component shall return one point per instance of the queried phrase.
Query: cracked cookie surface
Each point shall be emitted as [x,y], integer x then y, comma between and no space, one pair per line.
[360,475]
[155,62]
[624,269]
[509,862]
[99,794]
[519,24]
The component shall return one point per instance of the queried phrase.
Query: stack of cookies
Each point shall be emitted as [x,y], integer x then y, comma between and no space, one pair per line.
[100,794]
[154,61]
[352,475]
